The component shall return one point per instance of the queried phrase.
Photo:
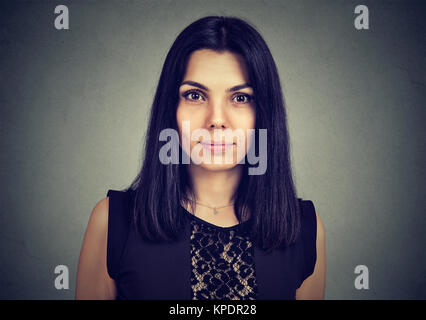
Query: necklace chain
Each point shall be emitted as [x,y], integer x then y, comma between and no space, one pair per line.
[215,209]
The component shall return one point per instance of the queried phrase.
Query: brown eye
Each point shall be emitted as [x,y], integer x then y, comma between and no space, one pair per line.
[242,98]
[193,96]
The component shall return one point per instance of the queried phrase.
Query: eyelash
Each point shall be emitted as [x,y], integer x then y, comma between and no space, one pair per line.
[187,93]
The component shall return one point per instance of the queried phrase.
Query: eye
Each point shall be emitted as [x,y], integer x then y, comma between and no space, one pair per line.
[193,96]
[242,98]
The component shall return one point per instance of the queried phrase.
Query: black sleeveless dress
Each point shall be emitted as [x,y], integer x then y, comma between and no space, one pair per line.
[208,262]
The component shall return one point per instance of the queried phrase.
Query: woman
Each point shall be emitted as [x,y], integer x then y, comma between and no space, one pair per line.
[209,228]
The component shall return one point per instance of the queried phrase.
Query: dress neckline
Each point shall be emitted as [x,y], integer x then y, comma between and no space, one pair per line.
[236,226]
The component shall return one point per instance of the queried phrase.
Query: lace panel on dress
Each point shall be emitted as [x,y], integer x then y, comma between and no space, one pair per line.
[222,264]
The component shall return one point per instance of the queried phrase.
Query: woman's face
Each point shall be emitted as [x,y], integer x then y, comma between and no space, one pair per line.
[215,95]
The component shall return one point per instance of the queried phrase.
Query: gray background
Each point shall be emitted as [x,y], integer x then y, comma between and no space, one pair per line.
[74,109]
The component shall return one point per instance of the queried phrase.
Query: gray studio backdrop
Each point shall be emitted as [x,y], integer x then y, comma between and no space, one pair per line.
[74,109]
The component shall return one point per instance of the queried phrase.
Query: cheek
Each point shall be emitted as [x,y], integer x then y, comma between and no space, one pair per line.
[246,120]
[253,118]
[187,121]
[249,122]
[182,115]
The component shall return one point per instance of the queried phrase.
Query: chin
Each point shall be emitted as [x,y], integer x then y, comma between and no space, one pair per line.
[217,167]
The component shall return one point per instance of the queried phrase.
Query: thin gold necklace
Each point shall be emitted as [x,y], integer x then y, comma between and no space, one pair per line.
[215,209]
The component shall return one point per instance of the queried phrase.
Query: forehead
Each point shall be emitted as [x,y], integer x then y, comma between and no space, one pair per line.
[206,65]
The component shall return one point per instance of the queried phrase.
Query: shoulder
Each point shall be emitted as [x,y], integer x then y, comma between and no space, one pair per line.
[320,228]
[99,216]
[97,226]
[93,281]
[119,208]
[313,280]
[120,199]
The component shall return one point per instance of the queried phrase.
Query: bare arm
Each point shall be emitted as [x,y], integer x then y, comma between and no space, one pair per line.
[314,286]
[93,280]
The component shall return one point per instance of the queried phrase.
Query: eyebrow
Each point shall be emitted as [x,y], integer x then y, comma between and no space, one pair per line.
[199,85]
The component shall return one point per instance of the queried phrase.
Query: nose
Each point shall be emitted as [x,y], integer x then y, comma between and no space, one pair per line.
[216,118]
[216,124]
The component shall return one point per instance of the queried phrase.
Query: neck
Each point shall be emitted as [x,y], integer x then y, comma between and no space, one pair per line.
[215,188]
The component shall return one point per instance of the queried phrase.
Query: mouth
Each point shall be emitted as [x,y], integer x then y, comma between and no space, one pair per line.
[216,146]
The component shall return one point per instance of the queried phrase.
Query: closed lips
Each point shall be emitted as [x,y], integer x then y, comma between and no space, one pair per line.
[216,143]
